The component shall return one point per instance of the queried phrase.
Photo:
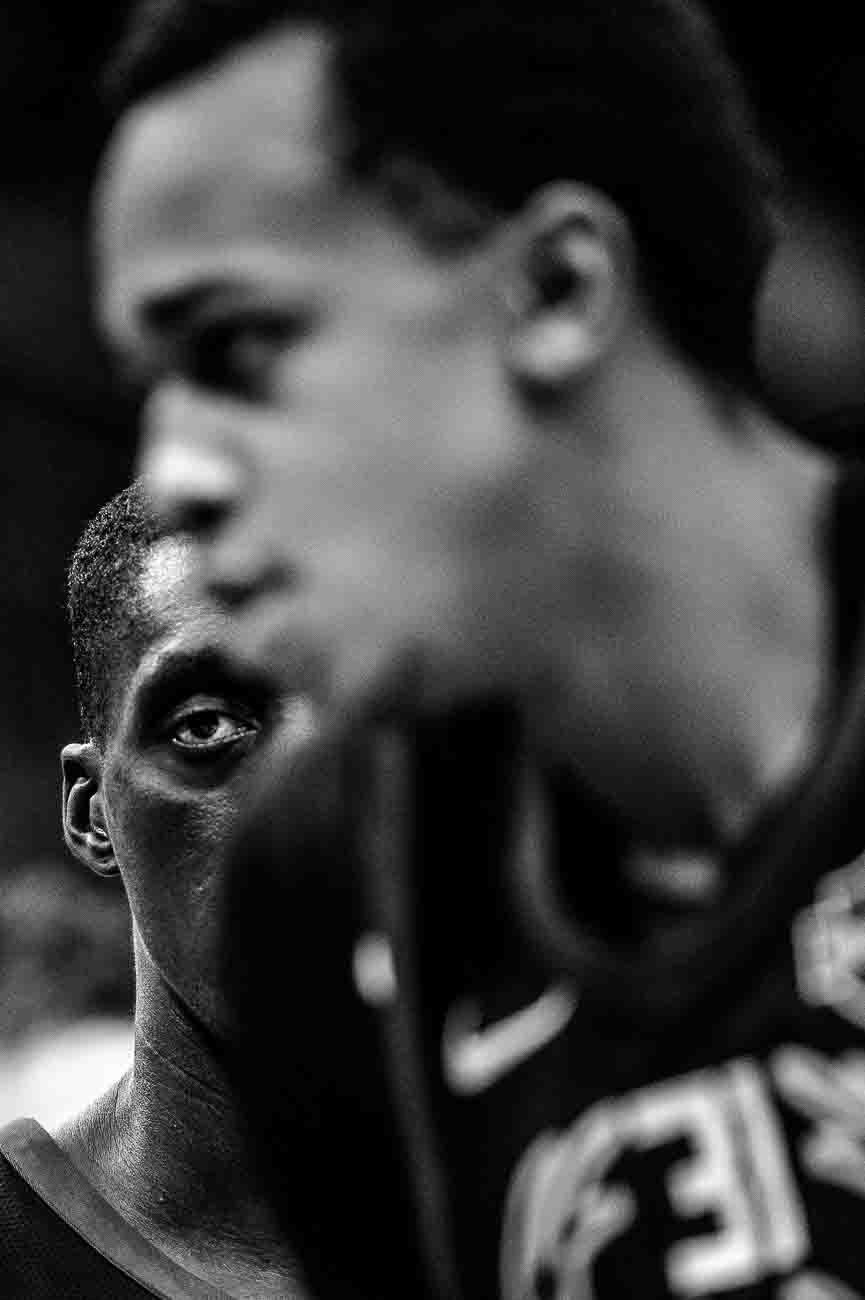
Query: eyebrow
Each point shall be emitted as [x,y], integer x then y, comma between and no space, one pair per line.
[166,317]
[166,311]
[138,351]
[180,672]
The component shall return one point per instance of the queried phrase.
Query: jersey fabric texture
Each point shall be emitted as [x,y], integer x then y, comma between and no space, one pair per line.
[508,1075]
[60,1240]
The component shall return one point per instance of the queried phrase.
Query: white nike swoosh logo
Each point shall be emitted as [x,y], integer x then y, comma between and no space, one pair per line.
[474,1058]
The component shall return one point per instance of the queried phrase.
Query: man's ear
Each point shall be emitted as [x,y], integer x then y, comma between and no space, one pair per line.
[84,826]
[568,286]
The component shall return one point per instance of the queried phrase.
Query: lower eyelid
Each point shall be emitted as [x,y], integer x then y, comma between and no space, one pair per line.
[240,727]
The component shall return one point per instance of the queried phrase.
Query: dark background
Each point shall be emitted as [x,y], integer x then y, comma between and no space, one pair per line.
[68,434]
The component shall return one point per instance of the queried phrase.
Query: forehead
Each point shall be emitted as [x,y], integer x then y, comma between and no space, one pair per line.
[245,148]
[169,592]
[171,619]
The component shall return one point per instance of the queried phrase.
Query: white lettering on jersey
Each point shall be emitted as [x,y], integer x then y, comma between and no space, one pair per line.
[709,1181]
[831,1094]
[775,1200]
[738,1173]
[816,1286]
[563,1211]
[829,944]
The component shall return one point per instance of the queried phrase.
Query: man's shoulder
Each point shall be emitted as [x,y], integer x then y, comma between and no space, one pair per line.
[58,1237]
[41,1256]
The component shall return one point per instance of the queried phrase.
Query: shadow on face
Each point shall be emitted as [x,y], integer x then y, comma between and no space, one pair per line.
[162,797]
[811,321]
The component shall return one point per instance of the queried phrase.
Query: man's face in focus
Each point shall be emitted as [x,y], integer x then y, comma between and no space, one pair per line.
[186,738]
[327,399]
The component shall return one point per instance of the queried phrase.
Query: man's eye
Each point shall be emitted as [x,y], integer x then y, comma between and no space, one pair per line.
[238,356]
[209,730]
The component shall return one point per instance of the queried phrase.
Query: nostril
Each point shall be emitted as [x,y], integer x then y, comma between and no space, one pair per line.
[200,519]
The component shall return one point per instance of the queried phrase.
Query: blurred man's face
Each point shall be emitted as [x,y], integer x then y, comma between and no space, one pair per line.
[187,735]
[811,320]
[331,388]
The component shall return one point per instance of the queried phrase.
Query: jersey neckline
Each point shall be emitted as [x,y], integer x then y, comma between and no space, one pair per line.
[49,1172]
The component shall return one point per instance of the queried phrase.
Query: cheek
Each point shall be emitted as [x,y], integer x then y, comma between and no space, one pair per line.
[171,848]
[811,331]
[361,390]
[384,373]
[377,433]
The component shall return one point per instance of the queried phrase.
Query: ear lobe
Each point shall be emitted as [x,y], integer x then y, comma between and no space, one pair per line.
[84,825]
[570,284]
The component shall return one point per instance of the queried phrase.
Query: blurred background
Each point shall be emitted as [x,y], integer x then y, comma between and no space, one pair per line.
[68,443]
[67,438]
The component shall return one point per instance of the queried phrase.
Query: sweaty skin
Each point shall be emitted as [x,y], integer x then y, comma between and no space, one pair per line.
[160,802]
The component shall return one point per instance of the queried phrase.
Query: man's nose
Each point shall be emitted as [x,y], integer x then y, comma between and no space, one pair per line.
[194,480]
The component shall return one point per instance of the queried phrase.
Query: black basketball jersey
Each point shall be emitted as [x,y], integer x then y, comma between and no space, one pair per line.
[60,1240]
[476,1099]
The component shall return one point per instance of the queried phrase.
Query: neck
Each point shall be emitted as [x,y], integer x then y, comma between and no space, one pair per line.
[702,652]
[166,1148]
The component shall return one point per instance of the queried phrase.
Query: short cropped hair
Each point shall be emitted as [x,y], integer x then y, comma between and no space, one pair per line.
[499,97]
[104,597]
